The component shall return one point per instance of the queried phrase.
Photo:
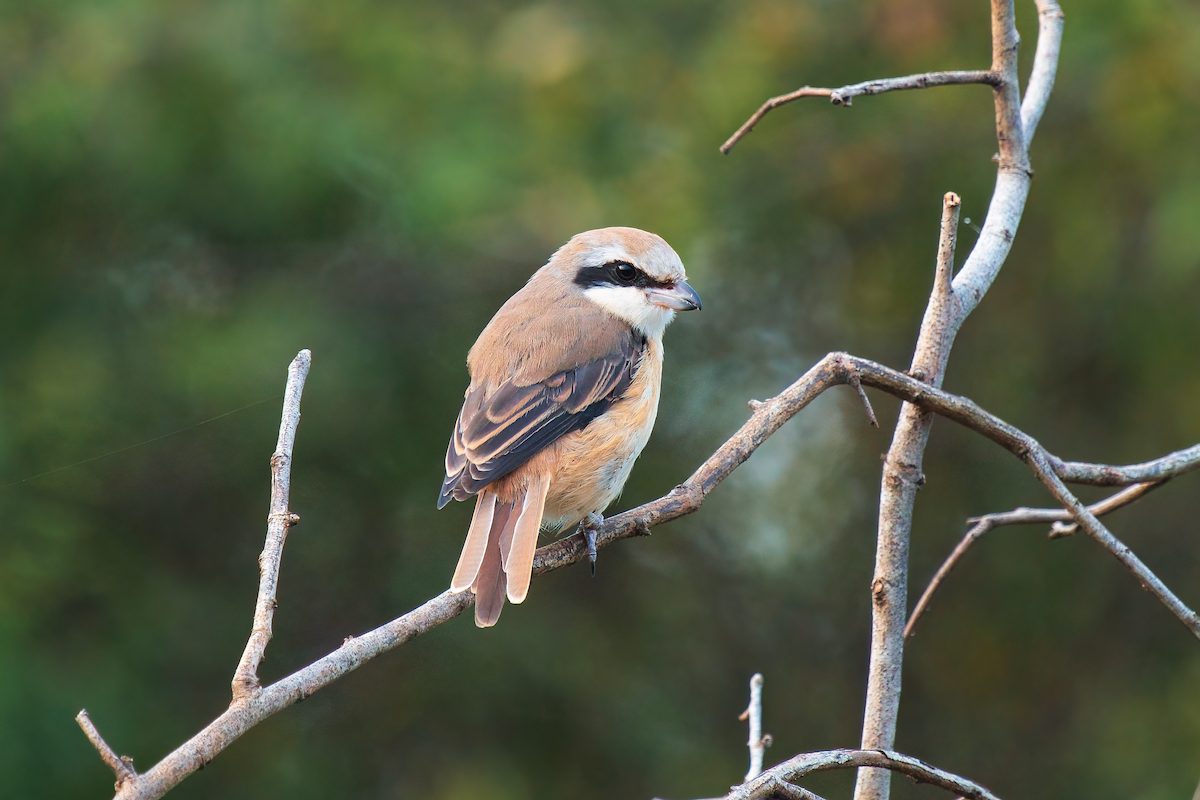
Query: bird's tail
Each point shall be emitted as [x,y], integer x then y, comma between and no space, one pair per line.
[497,558]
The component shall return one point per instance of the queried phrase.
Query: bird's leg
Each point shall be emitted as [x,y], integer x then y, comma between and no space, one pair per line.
[588,526]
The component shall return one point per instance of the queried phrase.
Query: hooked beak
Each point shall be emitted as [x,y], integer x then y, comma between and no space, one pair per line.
[679,297]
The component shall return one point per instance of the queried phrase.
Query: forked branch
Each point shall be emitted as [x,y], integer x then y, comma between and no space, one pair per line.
[122,766]
[1056,517]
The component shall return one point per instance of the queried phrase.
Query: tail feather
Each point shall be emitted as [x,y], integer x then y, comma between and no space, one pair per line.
[491,581]
[518,557]
[497,557]
[477,538]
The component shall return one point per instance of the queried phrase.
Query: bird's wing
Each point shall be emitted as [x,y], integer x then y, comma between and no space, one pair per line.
[499,431]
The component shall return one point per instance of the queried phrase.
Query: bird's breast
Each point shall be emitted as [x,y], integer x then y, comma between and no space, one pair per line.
[593,464]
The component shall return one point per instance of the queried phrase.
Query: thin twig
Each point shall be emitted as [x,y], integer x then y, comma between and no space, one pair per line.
[122,766]
[756,741]
[782,790]
[1034,516]
[279,519]
[862,396]
[270,700]
[774,102]
[1021,516]
[844,95]
[977,530]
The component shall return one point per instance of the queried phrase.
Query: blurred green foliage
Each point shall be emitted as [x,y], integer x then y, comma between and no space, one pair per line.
[193,191]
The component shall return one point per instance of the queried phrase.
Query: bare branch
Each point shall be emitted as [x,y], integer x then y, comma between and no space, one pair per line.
[1021,516]
[248,712]
[1025,447]
[252,708]
[1168,466]
[903,464]
[1015,126]
[844,95]
[1033,516]
[789,771]
[833,370]
[122,766]
[279,519]
[978,529]
[1038,459]
[925,80]
[944,272]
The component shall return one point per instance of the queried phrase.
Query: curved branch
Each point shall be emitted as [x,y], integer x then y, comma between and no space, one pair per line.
[1177,463]
[845,95]
[807,763]
[1045,66]
[774,102]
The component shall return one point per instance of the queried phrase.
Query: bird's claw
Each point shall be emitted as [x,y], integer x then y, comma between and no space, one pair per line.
[588,526]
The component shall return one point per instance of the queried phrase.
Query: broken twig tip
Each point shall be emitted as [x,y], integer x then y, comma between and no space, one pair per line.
[862,395]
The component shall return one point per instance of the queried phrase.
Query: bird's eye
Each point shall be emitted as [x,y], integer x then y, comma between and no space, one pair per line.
[624,273]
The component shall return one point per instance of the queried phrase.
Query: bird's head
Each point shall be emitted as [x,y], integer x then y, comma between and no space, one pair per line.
[631,274]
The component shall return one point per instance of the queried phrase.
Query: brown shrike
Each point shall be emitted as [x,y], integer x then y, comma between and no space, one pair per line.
[563,396]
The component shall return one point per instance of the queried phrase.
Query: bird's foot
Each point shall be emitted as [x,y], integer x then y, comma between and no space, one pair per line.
[588,527]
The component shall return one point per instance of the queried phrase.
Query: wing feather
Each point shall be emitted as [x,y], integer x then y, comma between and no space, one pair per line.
[500,431]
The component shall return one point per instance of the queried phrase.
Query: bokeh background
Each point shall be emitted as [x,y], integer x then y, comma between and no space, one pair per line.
[190,192]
